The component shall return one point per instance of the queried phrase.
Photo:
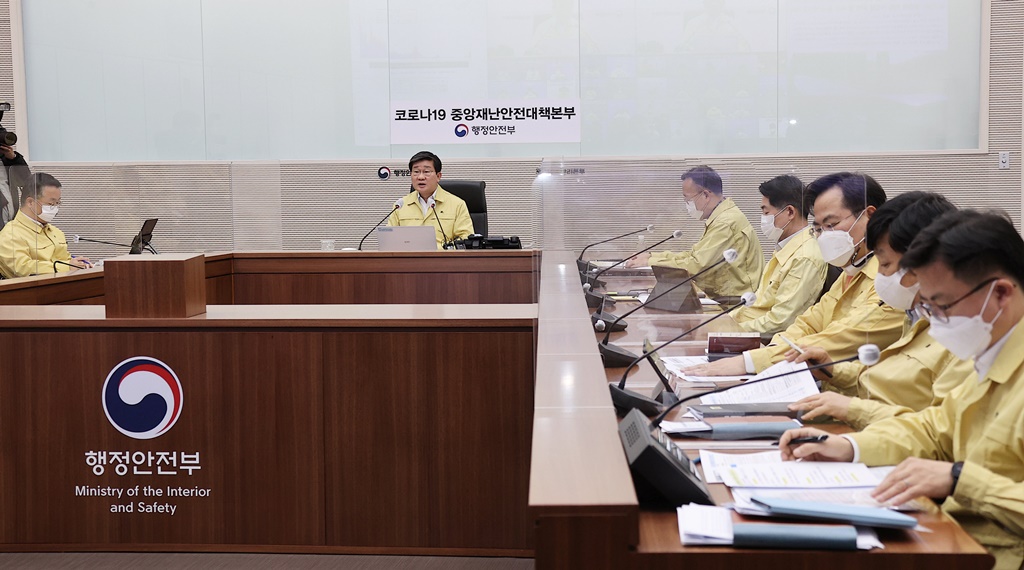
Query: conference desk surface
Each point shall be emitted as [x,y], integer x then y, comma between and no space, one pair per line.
[581,492]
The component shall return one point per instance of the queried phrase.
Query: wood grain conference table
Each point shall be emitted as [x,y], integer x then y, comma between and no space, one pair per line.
[323,424]
[581,492]
[317,277]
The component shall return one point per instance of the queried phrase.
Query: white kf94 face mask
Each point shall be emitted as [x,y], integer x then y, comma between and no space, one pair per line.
[965,337]
[893,293]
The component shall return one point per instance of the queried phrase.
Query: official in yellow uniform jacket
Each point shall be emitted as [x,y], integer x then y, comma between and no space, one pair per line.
[431,205]
[849,313]
[914,372]
[970,450]
[30,243]
[725,227]
[795,275]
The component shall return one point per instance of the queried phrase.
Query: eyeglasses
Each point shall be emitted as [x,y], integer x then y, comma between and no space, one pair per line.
[422,172]
[940,313]
[816,229]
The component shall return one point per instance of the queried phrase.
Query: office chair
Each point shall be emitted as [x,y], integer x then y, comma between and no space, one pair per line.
[471,192]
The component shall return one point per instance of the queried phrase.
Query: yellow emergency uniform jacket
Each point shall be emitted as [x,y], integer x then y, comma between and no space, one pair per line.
[451,211]
[982,424]
[914,372]
[848,315]
[725,228]
[791,283]
[29,248]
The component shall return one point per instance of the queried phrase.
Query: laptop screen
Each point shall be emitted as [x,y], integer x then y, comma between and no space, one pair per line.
[406,238]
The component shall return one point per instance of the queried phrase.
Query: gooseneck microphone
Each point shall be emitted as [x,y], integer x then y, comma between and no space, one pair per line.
[614,356]
[398,204]
[57,261]
[585,265]
[78,238]
[624,400]
[867,354]
[594,300]
[433,206]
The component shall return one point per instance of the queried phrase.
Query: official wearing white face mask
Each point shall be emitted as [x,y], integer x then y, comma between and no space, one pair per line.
[793,279]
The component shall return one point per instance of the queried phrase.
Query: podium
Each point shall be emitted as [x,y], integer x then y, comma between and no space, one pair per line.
[155,286]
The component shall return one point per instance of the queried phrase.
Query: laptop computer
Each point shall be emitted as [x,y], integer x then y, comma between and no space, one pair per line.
[682,300]
[406,238]
[142,239]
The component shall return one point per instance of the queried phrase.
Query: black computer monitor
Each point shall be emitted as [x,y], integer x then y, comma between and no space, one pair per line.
[144,236]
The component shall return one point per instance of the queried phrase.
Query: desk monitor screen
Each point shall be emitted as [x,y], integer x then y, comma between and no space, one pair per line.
[144,236]
[406,238]
[682,300]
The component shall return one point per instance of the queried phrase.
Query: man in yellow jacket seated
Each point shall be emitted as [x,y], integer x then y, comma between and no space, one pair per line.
[725,227]
[970,450]
[30,244]
[794,277]
[430,205]
[850,313]
[915,371]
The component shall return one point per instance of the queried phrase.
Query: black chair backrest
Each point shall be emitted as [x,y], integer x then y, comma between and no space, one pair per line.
[471,192]
[831,275]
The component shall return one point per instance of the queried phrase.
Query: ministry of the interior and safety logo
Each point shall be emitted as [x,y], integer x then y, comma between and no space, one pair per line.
[142,397]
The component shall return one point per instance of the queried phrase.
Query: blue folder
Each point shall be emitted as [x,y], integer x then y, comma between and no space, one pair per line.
[797,536]
[852,514]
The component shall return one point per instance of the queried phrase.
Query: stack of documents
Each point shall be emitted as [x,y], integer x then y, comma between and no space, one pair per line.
[704,525]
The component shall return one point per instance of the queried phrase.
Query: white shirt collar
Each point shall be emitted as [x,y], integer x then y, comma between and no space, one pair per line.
[783,242]
[984,363]
[425,203]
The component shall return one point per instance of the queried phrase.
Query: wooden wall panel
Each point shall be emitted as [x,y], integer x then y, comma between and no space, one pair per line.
[251,407]
[440,430]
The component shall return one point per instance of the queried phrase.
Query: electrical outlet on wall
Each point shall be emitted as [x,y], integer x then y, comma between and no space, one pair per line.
[1004,160]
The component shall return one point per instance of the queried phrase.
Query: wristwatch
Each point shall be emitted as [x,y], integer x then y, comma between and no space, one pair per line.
[955,472]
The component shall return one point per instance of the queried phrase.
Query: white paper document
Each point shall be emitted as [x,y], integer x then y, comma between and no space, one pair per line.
[799,474]
[713,461]
[785,389]
[861,497]
[676,364]
[684,427]
[702,524]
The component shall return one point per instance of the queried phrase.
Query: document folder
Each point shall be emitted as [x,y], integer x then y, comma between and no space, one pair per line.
[864,516]
[797,536]
[701,411]
[745,430]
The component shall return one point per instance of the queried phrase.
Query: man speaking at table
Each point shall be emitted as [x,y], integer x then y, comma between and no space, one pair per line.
[30,244]
[725,227]
[431,205]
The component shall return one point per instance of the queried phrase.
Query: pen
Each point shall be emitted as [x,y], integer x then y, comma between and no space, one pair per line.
[799,350]
[811,439]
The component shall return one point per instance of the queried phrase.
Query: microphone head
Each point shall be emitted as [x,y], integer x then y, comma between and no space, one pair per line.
[749,297]
[599,326]
[731,255]
[869,354]
[677,234]
[587,286]
[398,203]
[650,227]
[76,238]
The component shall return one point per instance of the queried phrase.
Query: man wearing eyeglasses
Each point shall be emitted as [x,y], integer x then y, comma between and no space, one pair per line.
[915,372]
[431,205]
[850,313]
[970,450]
[30,244]
[725,227]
